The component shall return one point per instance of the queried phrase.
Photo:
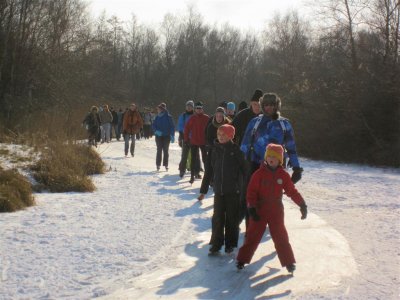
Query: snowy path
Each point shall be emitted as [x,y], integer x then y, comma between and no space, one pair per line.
[142,235]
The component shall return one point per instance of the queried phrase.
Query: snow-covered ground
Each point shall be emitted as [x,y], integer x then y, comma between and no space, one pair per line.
[142,235]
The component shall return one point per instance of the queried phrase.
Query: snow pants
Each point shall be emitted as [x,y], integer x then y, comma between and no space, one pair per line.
[162,143]
[251,168]
[225,221]
[275,221]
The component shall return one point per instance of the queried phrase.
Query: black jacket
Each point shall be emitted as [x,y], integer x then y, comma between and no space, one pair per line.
[227,166]
[240,123]
[211,130]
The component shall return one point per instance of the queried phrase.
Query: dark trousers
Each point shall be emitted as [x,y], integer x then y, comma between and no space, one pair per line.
[279,235]
[251,168]
[146,131]
[184,157]
[127,138]
[225,225]
[194,151]
[162,143]
[119,130]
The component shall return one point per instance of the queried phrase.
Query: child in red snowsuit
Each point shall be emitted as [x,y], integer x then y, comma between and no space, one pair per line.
[264,202]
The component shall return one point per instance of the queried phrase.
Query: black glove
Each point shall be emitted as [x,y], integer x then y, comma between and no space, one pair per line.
[296,175]
[253,214]
[303,210]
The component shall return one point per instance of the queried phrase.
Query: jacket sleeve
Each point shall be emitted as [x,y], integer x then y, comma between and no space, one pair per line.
[155,124]
[187,130]
[140,121]
[252,190]
[181,123]
[245,146]
[291,190]
[208,174]
[171,125]
[290,146]
[125,122]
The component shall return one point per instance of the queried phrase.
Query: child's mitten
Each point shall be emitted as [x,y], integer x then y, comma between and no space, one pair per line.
[253,214]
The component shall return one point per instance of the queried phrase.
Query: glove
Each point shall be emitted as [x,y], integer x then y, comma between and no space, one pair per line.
[172,139]
[303,210]
[253,214]
[296,175]
[158,133]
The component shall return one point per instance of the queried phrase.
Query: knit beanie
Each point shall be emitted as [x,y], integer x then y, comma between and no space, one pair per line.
[162,106]
[242,105]
[220,109]
[223,104]
[274,150]
[257,95]
[228,130]
[199,104]
[190,103]
[231,106]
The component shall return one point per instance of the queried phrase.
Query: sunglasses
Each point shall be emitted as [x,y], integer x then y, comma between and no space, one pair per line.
[270,104]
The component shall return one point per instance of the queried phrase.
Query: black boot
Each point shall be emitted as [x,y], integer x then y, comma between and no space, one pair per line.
[239,265]
[290,268]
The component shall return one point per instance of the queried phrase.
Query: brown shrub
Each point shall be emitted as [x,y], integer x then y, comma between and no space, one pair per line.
[15,191]
[64,167]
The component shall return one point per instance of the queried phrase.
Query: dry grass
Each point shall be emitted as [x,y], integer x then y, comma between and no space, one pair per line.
[15,191]
[65,167]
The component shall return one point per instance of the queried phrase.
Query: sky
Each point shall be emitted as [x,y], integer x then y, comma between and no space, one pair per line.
[243,14]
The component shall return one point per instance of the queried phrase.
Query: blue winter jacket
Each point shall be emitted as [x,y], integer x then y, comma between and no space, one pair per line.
[164,123]
[278,131]
[182,120]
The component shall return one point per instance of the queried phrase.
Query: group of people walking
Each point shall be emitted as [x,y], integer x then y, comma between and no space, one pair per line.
[101,122]
[245,154]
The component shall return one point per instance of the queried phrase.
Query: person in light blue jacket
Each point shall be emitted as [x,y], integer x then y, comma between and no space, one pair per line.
[164,131]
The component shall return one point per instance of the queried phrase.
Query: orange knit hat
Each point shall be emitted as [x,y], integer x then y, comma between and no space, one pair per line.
[274,150]
[228,130]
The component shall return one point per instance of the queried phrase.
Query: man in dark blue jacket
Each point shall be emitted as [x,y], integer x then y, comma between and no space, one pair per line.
[164,130]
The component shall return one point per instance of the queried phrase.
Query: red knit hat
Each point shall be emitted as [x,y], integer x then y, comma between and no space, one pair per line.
[274,150]
[228,130]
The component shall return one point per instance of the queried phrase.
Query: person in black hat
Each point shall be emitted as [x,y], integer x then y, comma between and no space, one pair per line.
[240,123]
[243,118]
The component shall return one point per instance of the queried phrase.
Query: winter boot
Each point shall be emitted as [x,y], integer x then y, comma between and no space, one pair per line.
[191,180]
[214,250]
[181,173]
[239,265]
[290,268]
[229,250]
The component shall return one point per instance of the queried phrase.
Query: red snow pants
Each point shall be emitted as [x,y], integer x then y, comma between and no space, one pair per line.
[279,235]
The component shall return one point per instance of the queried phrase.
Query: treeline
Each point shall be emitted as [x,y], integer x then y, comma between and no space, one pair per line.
[339,80]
